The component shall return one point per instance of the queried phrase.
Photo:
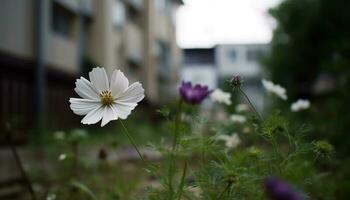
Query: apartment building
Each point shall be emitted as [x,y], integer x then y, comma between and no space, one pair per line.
[214,66]
[46,44]
[240,59]
[200,67]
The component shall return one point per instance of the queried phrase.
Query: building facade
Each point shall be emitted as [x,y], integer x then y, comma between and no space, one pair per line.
[46,44]
[243,60]
[214,66]
[200,67]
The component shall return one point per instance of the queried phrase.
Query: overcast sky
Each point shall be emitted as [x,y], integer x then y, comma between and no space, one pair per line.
[204,23]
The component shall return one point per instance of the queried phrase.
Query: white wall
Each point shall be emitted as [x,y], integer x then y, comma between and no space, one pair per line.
[240,65]
[16,25]
[203,74]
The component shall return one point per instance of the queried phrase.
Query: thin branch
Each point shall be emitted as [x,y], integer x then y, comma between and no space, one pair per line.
[20,165]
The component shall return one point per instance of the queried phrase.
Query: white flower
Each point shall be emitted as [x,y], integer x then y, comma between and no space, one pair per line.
[231,141]
[51,196]
[62,157]
[238,118]
[299,105]
[105,99]
[274,89]
[242,107]
[59,135]
[220,96]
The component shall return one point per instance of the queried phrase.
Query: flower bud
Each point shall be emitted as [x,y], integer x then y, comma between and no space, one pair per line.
[236,81]
[231,178]
[323,148]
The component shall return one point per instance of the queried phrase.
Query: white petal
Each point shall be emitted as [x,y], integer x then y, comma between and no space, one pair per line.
[223,137]
[133,94]
[109,115]
[85,89]
[83,106]
[119,83]
[94,116]
[123,110]
[99,79]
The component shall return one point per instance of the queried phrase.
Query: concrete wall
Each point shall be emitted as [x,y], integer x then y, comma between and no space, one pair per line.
[106,45]
[62,54]
[16,25]
[201,74]
[240,65]
[17,35]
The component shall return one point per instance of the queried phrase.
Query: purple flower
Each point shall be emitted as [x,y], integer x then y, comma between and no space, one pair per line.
[277,189]
[193,95]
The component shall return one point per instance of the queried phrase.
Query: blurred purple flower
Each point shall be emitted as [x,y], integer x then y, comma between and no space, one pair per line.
[193,95]
[277,189]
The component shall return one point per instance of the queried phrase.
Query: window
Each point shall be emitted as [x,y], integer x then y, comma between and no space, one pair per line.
[118,13]
[253,55]
[136,3]
[232,55]
[163,55]
[62,21]
[161,4]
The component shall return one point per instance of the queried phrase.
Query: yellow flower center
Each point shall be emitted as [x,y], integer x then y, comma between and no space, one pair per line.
[106,98]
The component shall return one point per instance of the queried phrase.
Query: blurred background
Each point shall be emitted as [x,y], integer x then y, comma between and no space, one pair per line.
[45,45]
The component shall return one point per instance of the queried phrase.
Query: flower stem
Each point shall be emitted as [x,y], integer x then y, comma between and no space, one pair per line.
[250,103]
[132,141]
[182,181]
[177,123]
[224,191]
[175,143]
[20,165]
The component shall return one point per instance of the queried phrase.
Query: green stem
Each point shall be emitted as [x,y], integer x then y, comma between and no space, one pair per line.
[171,175]
[250,103]
[132,141]
[224,191]
[20,165]
[177,123]
[175,141]
[75,149]
[182,181]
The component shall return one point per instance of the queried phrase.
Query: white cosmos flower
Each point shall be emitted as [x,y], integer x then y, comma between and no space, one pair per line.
[51,196]
[231,141]
[242,107]
[274,89]
[221,97]
[299,105]
[62,157]
[105,99]
[238,118]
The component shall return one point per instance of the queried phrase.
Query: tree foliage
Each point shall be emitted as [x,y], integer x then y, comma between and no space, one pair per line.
[312,40]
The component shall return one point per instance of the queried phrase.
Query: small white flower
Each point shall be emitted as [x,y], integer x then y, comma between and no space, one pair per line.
[231,141]
[300,105]
[51,196]
[62,157]
[105,99]
[242,107]
[79,133]
[59,135]
[274,89]
[238,118]
[221,97]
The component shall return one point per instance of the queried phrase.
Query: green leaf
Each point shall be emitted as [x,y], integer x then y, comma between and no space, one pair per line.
[83,188]
[165,111]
